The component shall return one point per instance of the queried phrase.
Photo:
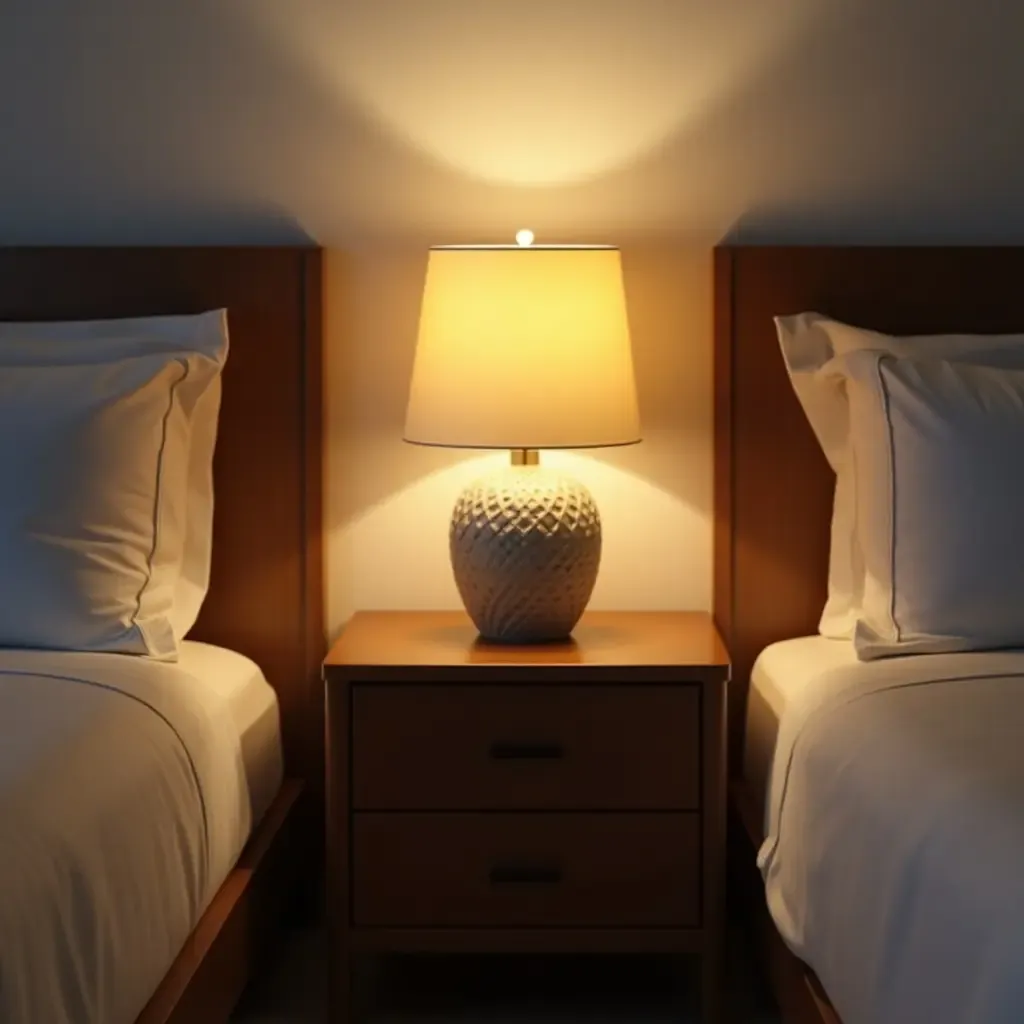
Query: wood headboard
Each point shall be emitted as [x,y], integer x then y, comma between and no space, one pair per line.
[773,487]
[266,593]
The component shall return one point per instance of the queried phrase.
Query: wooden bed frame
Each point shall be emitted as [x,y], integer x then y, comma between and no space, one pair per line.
[773,487]
[266,595]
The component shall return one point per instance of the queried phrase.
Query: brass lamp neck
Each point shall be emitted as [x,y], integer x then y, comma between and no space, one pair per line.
[525,457]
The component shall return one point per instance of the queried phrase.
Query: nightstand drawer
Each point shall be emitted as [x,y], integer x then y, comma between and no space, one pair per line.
[494,870]
[526,747]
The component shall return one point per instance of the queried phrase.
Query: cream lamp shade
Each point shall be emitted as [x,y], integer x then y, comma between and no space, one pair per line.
[523,347]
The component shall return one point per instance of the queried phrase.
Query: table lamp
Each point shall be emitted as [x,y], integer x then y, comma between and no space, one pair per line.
[524,347]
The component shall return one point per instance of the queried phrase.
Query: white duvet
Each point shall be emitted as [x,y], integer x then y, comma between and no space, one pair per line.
[894,857]
[123,806]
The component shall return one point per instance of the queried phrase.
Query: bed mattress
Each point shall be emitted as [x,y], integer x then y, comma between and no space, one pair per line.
[229,678]
[128,788]
[780,675]
[895,836]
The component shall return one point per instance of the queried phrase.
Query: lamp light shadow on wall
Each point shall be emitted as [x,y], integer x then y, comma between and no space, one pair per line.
[415,519]
[536,93]
[483,118]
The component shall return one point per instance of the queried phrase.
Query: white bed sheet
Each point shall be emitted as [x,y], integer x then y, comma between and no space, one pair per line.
[237,681]
[895,837]
[125,800]
[780,675]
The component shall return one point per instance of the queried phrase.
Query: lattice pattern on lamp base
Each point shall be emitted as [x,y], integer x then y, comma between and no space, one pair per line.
[525,548]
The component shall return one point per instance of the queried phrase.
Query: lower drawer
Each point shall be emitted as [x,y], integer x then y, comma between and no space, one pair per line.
[509,869]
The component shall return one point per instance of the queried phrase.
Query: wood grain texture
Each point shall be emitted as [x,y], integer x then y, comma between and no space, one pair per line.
[266,593]
[538,858]
[722,560]
[773,486]
[437,644]
[514,747]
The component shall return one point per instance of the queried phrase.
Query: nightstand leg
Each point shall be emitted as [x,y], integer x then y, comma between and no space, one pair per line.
[363,970]
[712,986]
[339,996]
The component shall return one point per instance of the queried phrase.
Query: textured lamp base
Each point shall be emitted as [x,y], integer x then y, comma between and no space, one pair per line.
[525,548]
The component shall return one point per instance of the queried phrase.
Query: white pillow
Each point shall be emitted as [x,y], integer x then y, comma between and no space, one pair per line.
[938,455]
[809,341]
[197,345]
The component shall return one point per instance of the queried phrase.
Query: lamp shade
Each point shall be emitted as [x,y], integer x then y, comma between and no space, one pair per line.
[523,347]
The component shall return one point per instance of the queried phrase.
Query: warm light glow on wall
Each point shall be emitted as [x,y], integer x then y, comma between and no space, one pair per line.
[388,504]
[535,92]
[674,552]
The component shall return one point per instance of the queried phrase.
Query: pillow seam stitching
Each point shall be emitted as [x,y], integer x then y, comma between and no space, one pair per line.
[156,502]
[887,414]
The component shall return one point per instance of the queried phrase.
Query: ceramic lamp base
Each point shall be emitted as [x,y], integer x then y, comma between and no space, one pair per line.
[525,549]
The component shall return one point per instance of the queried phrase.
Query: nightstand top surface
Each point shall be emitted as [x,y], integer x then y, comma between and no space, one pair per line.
[602,639]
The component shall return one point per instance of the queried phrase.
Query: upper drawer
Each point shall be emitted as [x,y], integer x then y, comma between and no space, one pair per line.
[526,747]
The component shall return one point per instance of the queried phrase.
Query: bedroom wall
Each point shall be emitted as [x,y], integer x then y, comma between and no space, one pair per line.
[377,127]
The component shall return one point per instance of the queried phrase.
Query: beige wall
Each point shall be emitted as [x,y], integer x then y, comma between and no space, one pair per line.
[378,127]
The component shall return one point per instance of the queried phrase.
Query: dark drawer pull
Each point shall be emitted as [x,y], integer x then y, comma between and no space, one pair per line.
[527,751]
[526,874]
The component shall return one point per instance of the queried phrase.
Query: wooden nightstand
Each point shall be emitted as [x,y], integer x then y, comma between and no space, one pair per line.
[563,798]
